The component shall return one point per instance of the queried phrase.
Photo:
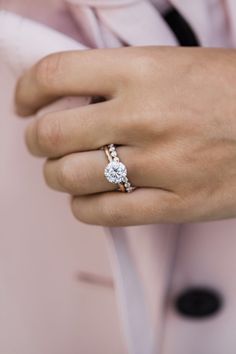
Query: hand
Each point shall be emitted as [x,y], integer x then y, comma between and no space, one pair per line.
[172,111]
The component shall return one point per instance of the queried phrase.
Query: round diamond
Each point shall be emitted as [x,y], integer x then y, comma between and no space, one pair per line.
[115,172]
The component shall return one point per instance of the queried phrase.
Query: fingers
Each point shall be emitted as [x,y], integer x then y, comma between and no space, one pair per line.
[83,173]
[78,174]
[143,206]
[73,73]
[81,129]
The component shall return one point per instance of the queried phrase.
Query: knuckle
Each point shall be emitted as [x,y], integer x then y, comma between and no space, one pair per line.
[49,134]
[67,177]
[47,70]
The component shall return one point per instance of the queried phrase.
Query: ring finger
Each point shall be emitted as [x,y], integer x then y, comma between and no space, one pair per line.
[82,173]
[86,128]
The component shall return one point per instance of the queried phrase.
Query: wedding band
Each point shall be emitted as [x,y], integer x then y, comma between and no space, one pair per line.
[115,171]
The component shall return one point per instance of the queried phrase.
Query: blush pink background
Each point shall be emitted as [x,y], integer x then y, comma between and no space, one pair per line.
[44,307]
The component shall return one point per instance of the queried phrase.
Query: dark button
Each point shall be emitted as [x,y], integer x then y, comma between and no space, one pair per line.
[198,302]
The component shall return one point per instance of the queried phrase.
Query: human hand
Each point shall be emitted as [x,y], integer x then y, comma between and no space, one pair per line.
[172,113]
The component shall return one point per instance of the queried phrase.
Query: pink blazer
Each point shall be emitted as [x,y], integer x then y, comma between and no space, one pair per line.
[70,288]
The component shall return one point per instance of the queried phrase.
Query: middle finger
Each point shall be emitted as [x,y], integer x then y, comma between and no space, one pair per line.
[79,129]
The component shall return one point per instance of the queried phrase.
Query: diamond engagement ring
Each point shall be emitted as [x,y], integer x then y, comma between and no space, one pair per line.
[116,172]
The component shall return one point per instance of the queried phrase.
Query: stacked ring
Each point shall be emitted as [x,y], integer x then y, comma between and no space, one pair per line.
[115,171]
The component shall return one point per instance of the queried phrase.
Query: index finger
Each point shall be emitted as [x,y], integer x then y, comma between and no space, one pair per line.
[95,72]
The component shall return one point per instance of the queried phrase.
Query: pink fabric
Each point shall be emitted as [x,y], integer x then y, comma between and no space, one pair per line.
[44,246]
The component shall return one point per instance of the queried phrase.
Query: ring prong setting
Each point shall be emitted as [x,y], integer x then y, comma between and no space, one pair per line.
[115,172]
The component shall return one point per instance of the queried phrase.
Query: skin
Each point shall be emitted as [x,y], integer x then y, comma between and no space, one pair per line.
[172,111]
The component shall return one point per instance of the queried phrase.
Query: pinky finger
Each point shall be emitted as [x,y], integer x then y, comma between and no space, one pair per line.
[143,206]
